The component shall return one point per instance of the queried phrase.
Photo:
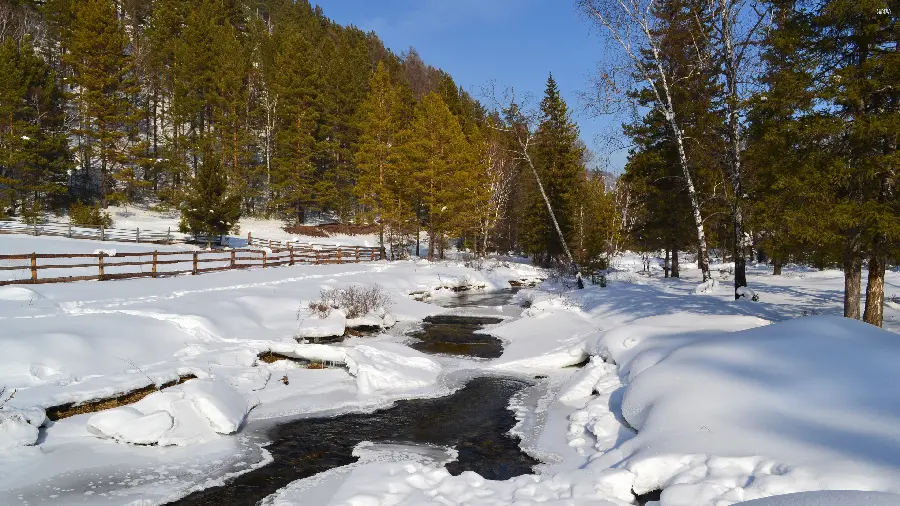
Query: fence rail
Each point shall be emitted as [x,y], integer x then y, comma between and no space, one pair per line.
[62,229]
[156,264]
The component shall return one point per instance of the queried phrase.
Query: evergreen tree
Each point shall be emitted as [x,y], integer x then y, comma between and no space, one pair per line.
[380,182]
[34,153]
[210,209]
[297,83]
[436,151]
[103,83]
[557,156]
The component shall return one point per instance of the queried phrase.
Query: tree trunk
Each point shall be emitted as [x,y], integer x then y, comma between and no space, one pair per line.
[852,279]
[874,313]
[431,241]
[676,271]
[776,266]
[666,264]
[740,258]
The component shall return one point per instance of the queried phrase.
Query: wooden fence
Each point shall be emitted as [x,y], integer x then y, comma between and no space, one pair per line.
[156,264]
[61,229]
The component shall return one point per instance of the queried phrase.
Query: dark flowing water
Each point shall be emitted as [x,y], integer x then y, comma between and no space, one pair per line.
[456,335]
[475,421]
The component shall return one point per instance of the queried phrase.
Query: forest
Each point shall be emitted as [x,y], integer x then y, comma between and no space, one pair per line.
[270,109]
[758,131]
[764,130]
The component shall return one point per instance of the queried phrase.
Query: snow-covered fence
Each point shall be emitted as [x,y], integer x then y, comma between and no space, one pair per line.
[109,265]
[62,229]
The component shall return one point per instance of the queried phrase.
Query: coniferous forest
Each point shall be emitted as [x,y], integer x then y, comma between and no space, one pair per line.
[758,130]
[270,109]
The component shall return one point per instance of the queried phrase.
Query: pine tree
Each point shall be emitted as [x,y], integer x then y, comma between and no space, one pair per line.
[210,209]
[557,156]
[856,43]
[34,153]
[103,83]
[298,84]
[377,159]
[436,152]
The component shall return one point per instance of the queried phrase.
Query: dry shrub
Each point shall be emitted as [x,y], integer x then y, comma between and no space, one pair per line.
[355,301]
[330,229]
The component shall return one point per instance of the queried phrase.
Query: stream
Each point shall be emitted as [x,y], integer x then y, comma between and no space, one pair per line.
[474,420]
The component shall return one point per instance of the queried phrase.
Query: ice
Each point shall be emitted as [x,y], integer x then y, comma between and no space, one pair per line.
[390,366]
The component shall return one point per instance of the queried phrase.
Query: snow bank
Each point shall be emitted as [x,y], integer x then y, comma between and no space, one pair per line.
[186,414]
[390,366]
[829,498]
[790,407]
[330,326]
[18,294]
[640,344]
[549,339]
[19,427]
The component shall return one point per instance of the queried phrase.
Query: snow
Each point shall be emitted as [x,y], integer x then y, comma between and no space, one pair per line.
[180,415]
[829,498]
[714,401]
[390,366]
[19,428]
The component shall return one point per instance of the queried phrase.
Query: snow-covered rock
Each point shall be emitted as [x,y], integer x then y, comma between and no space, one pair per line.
[390,366]
[185,414]
[332,325]
[19,427]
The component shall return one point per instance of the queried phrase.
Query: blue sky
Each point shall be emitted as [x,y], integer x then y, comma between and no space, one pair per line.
[514,43]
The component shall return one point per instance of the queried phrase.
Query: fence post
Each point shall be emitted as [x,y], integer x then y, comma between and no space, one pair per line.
[155,255]
[34,267]
[102,233]
[373,254]
[137,234]
[317,257]
[232,259]
[265,257]
[339,255]
[100,265]
[168,235]
[70,228]
[194,271]
[249,238]
[357,254]
[291,249]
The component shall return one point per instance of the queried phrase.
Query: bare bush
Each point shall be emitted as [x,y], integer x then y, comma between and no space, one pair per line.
[355,301]
[4,398]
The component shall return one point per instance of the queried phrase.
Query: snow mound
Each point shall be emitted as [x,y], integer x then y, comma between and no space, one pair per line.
[745,292]
[107,252]
[19,427]
[789,407]
[643,342]
[18,294]
[312,352]
[707,286]
[829,498]
[332,325]
[190,413]
[390,366]
[551,339]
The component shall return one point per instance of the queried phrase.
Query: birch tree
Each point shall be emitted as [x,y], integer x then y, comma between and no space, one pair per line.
[631,26]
